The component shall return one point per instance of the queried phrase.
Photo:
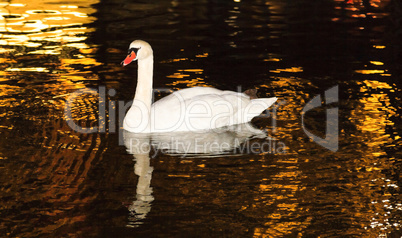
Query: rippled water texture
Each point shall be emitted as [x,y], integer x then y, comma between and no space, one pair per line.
[56,182]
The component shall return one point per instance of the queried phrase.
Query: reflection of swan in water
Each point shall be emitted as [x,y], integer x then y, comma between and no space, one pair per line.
[207,143]
[142,205]
[214,142]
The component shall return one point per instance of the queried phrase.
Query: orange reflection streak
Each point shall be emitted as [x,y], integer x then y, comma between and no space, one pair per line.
[174,60]
[370,71]
[378,108]
[377,62]
[289,70]
[202,55]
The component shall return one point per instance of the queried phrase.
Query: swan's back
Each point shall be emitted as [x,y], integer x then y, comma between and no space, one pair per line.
[203,108]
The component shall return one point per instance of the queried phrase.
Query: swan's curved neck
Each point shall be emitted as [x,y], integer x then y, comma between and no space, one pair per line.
[143,92]
[138,118]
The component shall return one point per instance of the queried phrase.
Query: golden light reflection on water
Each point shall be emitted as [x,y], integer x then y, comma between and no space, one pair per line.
[62,23]
[184,78]
[193,76]
[44,57]
[371,117]
[289,70]
[33,32]
[187,77]
[377,62]
[286,184]
[370,71]
[48,26]
[378,108]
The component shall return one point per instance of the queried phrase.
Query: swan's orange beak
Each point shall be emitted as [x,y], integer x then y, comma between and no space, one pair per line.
[129,59]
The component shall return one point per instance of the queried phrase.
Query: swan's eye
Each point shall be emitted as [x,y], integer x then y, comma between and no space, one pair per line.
[133,49]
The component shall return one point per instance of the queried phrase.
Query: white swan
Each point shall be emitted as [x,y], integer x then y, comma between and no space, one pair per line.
[191,109]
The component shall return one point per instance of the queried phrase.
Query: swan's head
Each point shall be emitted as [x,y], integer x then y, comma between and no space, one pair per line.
[138,50]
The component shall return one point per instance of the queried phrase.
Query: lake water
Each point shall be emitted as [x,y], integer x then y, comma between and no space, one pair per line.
[56,182]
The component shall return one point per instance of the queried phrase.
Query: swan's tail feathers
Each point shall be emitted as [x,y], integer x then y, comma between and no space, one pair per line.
[254,109]
[259,105]
[252,93]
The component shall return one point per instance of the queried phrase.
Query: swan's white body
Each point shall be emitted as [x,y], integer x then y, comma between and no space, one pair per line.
[191,109]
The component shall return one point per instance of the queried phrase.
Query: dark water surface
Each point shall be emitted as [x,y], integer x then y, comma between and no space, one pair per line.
[55,182]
